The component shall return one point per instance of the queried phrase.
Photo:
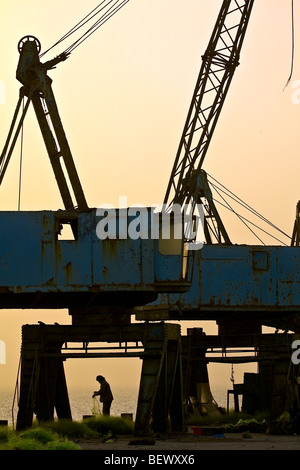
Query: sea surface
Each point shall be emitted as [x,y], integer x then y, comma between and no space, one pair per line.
[82,403]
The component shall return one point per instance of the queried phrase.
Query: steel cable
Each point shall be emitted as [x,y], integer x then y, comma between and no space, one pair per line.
[245,205]
[244,219]
[293,46]
[105,17]
[108,8]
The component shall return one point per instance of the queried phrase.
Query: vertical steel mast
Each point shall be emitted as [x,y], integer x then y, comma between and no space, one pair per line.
[188,183]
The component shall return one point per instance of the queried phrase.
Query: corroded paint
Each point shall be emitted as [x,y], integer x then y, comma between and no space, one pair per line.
[235,278]
[34,260]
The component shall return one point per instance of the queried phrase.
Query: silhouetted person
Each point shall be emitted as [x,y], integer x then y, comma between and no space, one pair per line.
[106,397]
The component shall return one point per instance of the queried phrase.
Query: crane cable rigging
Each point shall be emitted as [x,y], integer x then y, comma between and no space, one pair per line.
[293,46]
[107,9]
[220,188]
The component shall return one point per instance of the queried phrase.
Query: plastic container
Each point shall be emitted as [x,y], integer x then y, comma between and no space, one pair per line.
[196,431]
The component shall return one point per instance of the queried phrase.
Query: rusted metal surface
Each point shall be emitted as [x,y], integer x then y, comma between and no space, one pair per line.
[273,388]
[40,270]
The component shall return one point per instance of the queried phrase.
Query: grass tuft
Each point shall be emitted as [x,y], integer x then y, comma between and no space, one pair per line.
[20,443]
[58,434]
[39,434]
[34,438]
[5,434]
[104,424]
[68,428]
[63,445]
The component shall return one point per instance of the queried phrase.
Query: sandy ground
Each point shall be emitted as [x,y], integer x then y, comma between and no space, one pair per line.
[188,442]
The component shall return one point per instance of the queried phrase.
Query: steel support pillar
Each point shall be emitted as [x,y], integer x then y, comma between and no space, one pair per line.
[198,398]
[43,385]
[278,382]
[275,387]
[51,392]
[160,394]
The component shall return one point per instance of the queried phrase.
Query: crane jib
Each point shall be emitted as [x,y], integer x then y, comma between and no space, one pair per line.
[219,63]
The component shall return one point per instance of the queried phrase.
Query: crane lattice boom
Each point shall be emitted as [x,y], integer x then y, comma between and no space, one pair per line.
[218,66]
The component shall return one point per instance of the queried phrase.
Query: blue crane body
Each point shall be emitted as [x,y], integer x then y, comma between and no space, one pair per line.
[225,277]
[261,281]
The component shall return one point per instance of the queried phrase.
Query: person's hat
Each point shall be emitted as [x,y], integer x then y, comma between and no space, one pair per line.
[99,377]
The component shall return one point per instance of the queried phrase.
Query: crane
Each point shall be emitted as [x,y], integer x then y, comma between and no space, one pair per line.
[241,287]
[56,260]
[98,280]
[102,281]
[37,88]
[258,281]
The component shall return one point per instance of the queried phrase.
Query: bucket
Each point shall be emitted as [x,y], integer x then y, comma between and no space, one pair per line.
[196,431]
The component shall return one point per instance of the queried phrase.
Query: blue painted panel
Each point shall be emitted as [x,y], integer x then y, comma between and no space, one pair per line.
[240,278]
[20,245]
[66,262]
[289,277]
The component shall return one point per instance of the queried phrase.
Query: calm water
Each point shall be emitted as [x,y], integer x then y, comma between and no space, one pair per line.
[125,401]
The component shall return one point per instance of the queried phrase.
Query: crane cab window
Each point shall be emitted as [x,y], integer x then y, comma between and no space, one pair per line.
[67,229]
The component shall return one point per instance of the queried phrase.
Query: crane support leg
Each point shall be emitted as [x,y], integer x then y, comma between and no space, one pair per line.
[9,147]
[160,394]
[43,386]
[48,115]
[53,152]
